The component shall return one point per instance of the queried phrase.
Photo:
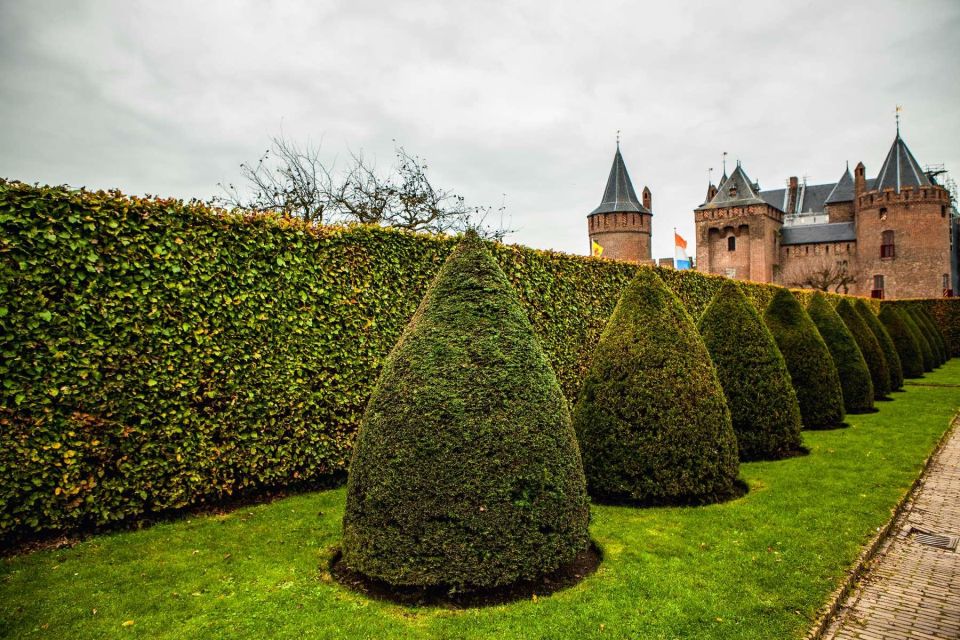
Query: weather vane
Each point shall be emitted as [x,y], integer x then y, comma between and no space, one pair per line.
[897,115]
[618,138]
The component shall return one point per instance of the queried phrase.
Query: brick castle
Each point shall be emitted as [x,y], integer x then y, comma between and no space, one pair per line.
[889,237]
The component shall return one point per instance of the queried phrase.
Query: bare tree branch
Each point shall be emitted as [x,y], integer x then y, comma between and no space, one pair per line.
[292,179]
[824,272]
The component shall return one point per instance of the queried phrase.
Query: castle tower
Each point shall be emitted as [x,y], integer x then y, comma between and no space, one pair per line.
[839,204]
[621,224]
[737,231]
[903,230]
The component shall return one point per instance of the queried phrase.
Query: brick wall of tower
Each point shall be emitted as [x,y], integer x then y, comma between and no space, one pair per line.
[920,221]
[798,260]
[623,236]
[840,212]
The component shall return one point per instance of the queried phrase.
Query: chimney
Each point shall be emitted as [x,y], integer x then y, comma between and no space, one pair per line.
[859,184]
[794,187]
[711,192]
[647,200]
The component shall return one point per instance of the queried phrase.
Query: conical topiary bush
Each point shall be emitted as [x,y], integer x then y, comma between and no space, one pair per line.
[890,354]
[466,471]
[926,353]
[762,402]
[938,335]
[929,333]
[908,349]
[854,375]
[811,366]
[869,347]
[652,421]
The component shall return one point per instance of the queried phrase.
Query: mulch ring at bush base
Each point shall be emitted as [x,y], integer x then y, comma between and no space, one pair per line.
[584,564]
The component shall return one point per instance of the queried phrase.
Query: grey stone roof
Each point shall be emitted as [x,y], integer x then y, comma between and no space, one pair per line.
[843,190]
[817,233]
[815,196]
[619,195]
[900,169]
[735,191]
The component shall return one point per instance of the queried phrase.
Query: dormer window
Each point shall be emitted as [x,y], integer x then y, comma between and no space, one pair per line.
[732,190]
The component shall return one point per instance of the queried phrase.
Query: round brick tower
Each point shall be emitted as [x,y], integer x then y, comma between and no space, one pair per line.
[903,229]
[621,224]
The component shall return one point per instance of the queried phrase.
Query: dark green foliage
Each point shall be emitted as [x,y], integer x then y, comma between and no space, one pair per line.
[762,402]
[811,366]
[926,353]
[855,381]
[930,333]
[869,347]
[158,355]
[945,314]
[465,471]
[652,421]
[934,329]
[911,360]
[890,355]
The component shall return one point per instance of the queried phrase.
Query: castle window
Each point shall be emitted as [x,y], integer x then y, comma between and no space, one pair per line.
[883,213]
[878,283]
[943,211]
[732,243]
[887,247]
[947,289]
[806,249]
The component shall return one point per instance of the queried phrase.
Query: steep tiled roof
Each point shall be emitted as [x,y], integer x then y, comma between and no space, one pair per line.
[619,195]
[900,169]
[817,233]
[843,190]
[737,190]
[815,196]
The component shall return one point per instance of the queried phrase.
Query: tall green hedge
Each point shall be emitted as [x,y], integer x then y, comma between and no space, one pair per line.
[854,375]
[159,354]
[869,347]
[652,420]
[890,355]
[811,366]
[908,348]
[762,401]
[466,470]
[930,333]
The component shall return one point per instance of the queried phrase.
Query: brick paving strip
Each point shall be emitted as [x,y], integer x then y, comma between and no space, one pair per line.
[903,589]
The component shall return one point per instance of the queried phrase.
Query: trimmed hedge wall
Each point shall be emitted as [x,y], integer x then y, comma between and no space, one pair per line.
[159,354]
[869,347]
[889,349]
[852,368]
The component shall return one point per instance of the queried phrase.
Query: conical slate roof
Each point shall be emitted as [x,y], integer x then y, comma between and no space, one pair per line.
[737,190]
[843,190]
[619,195]
[900,169]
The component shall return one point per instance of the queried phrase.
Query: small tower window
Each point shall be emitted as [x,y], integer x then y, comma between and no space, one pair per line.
[878,283]
[947,289]
[732,243]
[883,213]
[887,246]
[943,211]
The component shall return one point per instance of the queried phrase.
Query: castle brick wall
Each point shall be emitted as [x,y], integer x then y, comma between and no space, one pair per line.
[623,236]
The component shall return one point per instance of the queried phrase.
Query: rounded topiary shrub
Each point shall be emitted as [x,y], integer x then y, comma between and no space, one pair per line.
[869,347]
[937,334]
[890,354]
[854,375]
[926,353]
[763,404]
[652,420]
[466,471]
[811,366]
[908,349]
[929,333]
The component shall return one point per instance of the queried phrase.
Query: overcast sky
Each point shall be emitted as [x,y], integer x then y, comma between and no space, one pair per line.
[515,101]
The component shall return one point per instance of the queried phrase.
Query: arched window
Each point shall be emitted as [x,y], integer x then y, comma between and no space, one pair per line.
[887,247]
[732,243]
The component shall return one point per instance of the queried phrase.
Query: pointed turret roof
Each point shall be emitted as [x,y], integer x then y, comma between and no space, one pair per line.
[737,190]
[900,169]
[619,195]
[843,190]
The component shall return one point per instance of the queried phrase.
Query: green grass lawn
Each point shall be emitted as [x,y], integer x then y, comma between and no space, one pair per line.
[757,567]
